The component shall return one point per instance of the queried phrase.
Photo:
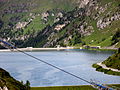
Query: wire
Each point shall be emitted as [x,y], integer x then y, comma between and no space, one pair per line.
[54,66]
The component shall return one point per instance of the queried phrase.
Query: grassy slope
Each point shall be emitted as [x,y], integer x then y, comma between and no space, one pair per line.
[82,87]
[103,37]
[37,7]
[41,5]
[11,83]
[45,5]
[85,87]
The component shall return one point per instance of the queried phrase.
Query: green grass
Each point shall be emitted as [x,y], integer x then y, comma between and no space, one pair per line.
[106,42]
[102,37]
[36,25]
[97,38]
[44,5]
[84,87]
[115,86]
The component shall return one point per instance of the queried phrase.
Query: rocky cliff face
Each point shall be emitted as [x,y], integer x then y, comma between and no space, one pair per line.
[83,3]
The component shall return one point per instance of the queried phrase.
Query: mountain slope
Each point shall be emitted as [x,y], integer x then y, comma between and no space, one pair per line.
[47,23]
[96,19]
[19,18]
[6,81]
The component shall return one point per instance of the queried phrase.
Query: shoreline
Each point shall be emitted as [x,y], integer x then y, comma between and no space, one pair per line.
[109,71]
[70,85]
[35,49]
[58,48]
[73,87]
[108,68]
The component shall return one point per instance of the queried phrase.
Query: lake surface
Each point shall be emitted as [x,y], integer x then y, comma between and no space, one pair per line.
[78,62]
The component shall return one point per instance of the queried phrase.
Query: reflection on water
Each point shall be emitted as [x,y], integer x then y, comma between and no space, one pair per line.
[75,61]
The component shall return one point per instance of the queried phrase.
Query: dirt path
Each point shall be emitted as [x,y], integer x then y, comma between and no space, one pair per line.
[105,67]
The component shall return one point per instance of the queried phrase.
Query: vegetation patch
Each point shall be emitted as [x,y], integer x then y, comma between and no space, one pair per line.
[84,87]
[11,83]
[113,61]
[100,69]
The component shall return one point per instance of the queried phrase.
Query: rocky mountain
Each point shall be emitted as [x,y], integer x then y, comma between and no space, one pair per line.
[48,23]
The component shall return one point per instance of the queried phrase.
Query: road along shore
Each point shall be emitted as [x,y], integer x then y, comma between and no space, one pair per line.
[35,49]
